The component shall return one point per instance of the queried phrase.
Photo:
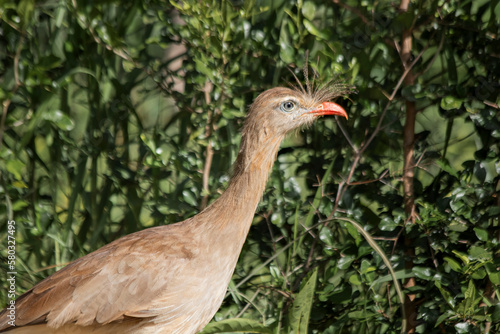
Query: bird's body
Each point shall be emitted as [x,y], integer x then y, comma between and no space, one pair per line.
[173,278]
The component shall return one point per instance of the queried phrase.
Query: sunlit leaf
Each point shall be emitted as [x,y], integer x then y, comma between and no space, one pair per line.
[301,308]
[58,118]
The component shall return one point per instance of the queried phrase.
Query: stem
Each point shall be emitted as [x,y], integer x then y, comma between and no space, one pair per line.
[409,130]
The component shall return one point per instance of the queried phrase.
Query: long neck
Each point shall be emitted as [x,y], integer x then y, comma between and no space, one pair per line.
[233,211]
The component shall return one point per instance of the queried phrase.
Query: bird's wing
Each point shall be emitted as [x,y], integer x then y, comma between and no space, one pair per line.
[118,280]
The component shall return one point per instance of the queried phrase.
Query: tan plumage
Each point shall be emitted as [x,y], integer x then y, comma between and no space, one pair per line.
[173,278]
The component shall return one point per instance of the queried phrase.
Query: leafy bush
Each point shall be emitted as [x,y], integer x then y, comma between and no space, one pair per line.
[119,116]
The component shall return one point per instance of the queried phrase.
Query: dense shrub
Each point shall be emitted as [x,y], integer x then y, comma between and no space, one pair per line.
[119,116]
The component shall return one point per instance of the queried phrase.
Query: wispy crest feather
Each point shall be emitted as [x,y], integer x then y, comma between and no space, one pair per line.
[324,92]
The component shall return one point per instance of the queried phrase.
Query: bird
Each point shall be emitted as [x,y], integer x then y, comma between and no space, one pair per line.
[173,278]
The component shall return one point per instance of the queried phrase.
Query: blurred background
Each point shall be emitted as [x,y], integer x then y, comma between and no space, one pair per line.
[122,115]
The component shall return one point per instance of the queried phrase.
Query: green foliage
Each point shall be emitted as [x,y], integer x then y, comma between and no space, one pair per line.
[239,325]
[301,308]
[111,109]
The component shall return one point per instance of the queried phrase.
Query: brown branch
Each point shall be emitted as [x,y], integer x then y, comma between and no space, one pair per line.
[346,135]
[491,104]
[409,128]
[404,5]
[358,153]
[408,78]
[409,160]
[408,173]
[355,11]
[391,98]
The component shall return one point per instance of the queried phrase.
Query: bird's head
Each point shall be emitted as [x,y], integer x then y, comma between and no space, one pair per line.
[280,110]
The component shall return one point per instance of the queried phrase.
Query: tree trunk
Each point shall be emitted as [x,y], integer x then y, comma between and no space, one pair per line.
[408,174]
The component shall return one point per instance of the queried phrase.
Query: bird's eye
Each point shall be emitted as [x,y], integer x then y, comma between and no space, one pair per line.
[287,106]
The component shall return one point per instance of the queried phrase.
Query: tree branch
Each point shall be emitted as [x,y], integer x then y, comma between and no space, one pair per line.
[408,172]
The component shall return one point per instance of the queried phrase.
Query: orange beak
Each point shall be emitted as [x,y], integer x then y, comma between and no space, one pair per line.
[329,108]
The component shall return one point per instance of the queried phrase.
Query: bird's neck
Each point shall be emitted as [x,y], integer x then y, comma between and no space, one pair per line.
[233,211]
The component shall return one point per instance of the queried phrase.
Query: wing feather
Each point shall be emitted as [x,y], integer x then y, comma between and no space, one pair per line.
[121,279]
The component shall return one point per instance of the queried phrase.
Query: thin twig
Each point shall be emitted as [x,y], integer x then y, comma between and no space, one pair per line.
[391,98]
[355,11]
[250,302]
[274,242]
[436,54]
[346,135]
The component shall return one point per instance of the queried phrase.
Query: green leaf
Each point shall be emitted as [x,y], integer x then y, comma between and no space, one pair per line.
[387,224]
[462,328]
[309,10]
[445,165]
[60,119]
[479,273]
[326,236]
[461,256]
[26,9]
[239,325]
[423,273]
[451,102]
[19,184]
[446,295]
[354,279]
[479,253]
[149,142]
[452,67]
[15,167]
[301,308]
[20,204]
[493,271]
[189,198]
[454,265]
[400,275]
[481,234]
[495,316]
[353,232]
[343,296]
[287,51]
[345,261]
[444,316]
[413,92]
[203,68]
[362,315]
[469,295]
[314,31]
[457,225]
[366,267]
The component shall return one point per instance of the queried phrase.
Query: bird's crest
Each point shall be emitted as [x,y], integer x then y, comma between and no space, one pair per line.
[329,90]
